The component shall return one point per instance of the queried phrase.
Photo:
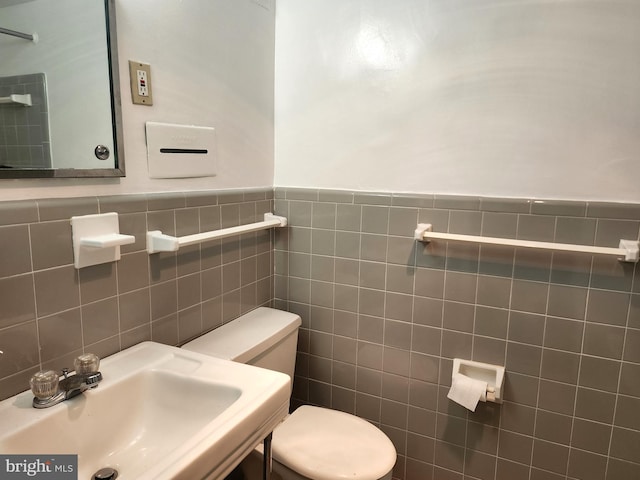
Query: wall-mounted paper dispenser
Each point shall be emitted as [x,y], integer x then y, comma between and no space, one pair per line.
[180,151]
[473,382]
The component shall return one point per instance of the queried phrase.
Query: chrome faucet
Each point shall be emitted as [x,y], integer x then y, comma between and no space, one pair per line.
[49,390]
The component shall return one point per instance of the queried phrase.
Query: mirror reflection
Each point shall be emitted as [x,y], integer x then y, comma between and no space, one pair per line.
[56,115]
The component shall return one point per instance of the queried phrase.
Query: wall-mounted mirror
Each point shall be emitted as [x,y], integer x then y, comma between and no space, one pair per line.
[59,90]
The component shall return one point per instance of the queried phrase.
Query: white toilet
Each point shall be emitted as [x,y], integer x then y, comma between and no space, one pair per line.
[312,443]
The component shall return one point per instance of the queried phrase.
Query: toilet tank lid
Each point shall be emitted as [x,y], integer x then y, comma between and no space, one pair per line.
[247,336]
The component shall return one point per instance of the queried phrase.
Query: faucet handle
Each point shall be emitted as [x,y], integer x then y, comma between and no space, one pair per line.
[44,384]
[86,364]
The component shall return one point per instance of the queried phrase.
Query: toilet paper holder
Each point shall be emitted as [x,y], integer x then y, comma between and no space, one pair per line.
[485,372]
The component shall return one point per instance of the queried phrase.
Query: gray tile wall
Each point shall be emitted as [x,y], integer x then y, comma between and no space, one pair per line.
[24,131]
[383,317]
[50,312]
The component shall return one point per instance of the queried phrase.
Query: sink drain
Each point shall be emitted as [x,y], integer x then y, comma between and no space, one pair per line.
[105,474]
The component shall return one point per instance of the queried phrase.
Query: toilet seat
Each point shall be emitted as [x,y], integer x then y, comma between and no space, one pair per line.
[323,444]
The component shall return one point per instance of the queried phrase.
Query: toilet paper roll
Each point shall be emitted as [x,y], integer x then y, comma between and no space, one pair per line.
[467,391]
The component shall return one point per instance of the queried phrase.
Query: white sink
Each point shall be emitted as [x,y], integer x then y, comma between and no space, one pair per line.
[160,412]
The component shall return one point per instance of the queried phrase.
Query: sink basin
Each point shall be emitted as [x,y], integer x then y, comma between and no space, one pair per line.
[160,412]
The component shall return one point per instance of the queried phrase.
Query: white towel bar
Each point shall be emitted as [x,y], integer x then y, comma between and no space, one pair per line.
[159,242]
[13,33]
[628,249]
[17,99]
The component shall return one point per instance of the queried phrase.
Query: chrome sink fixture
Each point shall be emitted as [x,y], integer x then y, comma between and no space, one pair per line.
[49,390]
[159,413]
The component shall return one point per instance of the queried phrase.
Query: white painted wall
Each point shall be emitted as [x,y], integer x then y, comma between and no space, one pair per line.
[536,98]
[530,98]
[212,64]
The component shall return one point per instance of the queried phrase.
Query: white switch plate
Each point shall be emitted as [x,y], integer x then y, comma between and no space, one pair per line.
[140,75]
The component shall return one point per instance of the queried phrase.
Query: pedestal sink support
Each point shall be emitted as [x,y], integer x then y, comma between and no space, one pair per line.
[266,458]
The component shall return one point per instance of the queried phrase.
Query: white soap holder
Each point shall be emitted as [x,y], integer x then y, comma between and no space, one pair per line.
[97,239]
[485,372]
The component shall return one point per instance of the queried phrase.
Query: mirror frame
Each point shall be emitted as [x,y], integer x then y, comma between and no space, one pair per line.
[116,119]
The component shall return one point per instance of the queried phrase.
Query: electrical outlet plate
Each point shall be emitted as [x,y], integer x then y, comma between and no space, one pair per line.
[140,75]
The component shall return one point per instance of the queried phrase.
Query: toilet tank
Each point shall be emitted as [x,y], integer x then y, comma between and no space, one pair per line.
[264,337]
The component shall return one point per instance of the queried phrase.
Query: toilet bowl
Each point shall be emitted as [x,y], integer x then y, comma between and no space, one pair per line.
[321,444]
[312,443]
